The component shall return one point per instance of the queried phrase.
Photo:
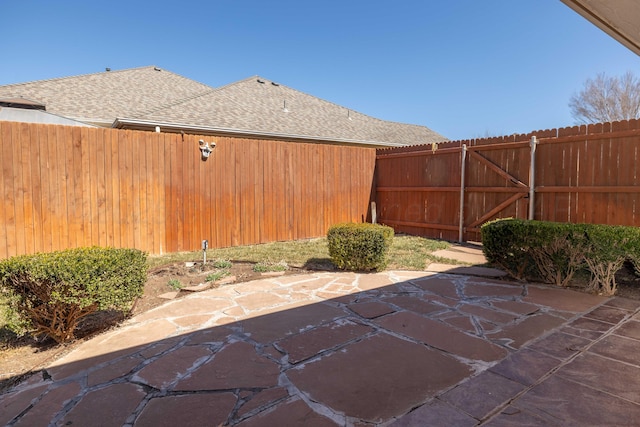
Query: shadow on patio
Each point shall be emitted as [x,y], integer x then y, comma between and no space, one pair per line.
[402,348]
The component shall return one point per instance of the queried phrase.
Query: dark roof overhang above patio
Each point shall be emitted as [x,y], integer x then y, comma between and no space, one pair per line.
[618,18]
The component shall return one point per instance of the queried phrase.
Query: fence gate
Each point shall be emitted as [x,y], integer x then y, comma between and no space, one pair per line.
[493,185]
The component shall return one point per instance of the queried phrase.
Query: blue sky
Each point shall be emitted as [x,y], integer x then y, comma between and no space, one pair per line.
[464,68]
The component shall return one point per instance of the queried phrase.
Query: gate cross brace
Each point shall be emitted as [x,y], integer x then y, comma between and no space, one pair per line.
[497,169]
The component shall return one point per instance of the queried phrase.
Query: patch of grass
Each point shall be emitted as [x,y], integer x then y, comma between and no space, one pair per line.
[263,267]
[412,252]
[295,253]
[406,253]
[174,284]
[217,275]
[221,263]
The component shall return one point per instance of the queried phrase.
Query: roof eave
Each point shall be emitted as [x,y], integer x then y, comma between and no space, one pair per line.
[136,124]
[614,27]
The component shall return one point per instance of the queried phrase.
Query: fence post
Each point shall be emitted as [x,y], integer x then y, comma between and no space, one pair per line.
[462,179]
[532,178]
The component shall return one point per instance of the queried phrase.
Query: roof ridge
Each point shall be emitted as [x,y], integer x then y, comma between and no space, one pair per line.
[330,102]
[81,75]
[190,98]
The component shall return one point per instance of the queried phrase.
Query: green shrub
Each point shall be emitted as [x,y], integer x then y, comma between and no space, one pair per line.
[608,247]
[557,250]
[505,245]
[359,247]
[553,252]
[51,292]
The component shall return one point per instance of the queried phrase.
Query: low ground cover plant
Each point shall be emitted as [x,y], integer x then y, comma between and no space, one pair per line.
[553,252]
[360,247]
[265,267]
[49,293]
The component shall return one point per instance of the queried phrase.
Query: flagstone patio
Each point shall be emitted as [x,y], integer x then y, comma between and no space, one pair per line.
[392,348]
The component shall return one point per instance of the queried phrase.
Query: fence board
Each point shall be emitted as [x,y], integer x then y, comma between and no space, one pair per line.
[67,187]
[583,174]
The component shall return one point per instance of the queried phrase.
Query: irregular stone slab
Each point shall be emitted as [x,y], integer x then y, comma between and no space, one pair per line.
[479,289]
[607,314]
[44,411]
[169,295]
[378,378]
[525,366]
[624,303]
[235,366]
[487,313]
[482,394]
[269,328]
[439,286]
[527,330]
[465,271]
[12,404]
[307,344]
[292,413]
[262,400]
[585,324]
[156,348]
[373,281]
[198,288]
[134,336]
[192,322]
[226,280]
[630,329]
[580,333]
[517,307]
[619,348]
[208,336]
[555,401]
[442,336]
[272,273]
[608,375]
[562,299]
[435,413]
[109,406]
[414,303]
[471,257]
[168,368]
[372,309]
[461,322]
[118,369]
[191,304]
[260,300]
[560,345]
[255,286]
[408,275]
[512,416]
[85,357]
[209,409]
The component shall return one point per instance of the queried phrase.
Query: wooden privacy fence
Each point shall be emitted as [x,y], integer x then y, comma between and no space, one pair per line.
[579,174]
[65,187]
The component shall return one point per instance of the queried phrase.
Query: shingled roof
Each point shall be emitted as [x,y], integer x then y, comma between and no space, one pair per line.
[146,97]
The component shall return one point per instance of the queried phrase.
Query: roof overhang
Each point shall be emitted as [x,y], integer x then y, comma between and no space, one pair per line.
[145,125]
[618,18]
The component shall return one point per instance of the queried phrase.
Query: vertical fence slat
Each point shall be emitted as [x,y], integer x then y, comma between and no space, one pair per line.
[7,207]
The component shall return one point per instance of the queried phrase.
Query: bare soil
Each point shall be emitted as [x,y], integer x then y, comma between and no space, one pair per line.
[20,357]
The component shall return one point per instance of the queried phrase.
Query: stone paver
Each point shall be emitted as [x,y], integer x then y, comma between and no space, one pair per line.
[346,349]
